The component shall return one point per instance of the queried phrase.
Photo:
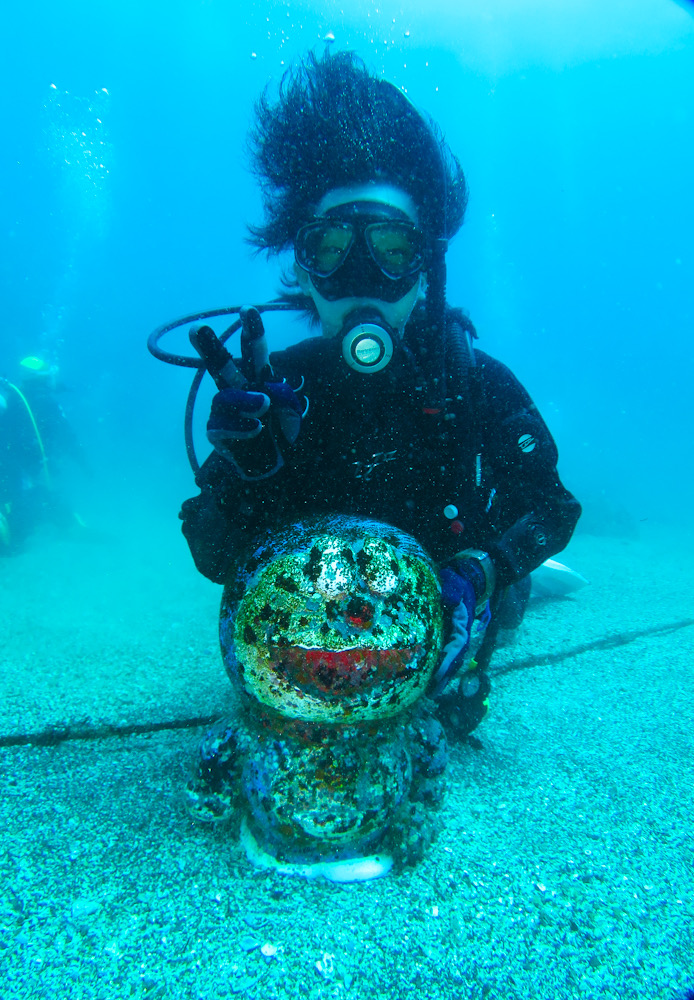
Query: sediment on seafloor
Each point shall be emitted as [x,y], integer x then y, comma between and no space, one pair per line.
[562,866]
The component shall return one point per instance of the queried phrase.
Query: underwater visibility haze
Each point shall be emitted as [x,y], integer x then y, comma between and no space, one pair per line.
[564,863]
[127,194]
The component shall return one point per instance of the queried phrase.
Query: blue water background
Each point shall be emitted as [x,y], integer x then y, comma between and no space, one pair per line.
[125,195]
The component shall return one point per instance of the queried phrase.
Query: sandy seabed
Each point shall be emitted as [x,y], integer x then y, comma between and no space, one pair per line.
[564,866]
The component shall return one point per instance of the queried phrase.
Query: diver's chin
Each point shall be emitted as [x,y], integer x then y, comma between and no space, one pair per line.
[333,314]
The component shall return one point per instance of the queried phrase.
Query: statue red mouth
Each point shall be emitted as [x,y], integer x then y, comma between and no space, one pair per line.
[334,672]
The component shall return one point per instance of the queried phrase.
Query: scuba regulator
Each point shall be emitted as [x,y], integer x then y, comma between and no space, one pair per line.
[213,357]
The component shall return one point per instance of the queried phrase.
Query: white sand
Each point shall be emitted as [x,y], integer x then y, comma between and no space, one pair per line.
[565,863]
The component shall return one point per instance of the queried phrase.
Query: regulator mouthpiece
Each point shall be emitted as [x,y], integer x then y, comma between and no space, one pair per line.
[367,346]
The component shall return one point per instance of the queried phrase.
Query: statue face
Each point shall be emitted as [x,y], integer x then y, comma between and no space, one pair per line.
[335,620]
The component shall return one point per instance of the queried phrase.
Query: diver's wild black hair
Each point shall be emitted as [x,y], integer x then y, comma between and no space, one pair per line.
[333,124]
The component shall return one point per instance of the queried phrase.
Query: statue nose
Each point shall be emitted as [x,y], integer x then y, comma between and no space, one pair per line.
[359,614]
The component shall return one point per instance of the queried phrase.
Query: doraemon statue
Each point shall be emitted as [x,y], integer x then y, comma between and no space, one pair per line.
[330,631]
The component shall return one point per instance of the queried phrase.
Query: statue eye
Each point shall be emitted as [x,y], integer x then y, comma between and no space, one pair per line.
[335,577]
[379,567]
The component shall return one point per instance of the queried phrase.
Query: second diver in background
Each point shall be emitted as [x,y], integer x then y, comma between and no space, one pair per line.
[36,440]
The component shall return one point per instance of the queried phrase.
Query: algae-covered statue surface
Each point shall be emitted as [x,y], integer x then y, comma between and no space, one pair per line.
[331,764]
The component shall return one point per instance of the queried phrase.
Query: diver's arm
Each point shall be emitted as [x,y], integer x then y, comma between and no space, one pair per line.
[230,510]
[534,513]
[210,540]
[211,521]
[538,534]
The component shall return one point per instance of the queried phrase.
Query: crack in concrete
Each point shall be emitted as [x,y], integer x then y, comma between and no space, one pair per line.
[606,642]
[58,733]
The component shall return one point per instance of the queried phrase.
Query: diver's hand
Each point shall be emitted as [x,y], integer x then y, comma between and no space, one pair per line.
[245,426]
[237,413]
[236,416]
[458,598]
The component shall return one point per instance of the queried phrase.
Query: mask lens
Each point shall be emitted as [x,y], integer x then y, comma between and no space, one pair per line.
[397,247]
[322,247]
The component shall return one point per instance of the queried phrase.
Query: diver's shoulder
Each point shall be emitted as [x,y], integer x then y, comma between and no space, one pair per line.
[500,386]
[493,369]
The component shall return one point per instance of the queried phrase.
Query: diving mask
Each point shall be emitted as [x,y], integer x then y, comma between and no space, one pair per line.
[353,250]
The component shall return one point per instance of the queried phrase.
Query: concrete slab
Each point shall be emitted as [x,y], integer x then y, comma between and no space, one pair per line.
[637,585]
[118,631]
[563,868]
[123,631]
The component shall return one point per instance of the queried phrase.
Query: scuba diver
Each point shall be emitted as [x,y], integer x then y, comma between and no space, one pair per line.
[390,412]
[35,437]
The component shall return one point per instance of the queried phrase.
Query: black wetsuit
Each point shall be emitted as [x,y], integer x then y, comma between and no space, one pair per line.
[373,445]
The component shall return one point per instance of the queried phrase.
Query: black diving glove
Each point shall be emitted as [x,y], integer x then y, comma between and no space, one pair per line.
[467,583]
[246,426]
[458,598]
